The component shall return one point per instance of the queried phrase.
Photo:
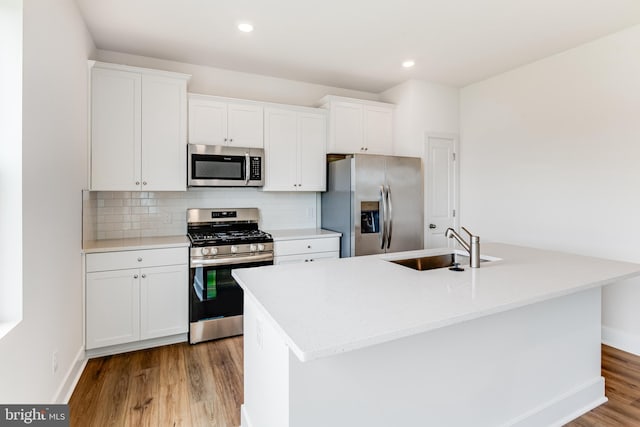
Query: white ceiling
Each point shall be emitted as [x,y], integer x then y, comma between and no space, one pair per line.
[356,44]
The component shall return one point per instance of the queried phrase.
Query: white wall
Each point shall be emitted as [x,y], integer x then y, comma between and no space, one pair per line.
[421,107]
[10,165]
[234,84]
[549,158]
[56,47]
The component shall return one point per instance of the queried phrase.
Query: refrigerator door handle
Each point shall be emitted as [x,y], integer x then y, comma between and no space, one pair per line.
[383,217]
[389,212]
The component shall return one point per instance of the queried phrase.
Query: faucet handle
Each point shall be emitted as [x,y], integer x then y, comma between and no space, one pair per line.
[471,236]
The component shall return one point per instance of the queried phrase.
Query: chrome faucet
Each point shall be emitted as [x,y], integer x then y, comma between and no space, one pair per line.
[473,247]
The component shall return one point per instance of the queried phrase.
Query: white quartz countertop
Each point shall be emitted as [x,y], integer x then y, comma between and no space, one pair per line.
[130,244]
[325,308]
[302,233]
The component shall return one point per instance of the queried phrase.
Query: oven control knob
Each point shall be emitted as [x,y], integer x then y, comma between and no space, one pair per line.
[260,247]
[213,251]
[253,248]
[234,249]
[205,251]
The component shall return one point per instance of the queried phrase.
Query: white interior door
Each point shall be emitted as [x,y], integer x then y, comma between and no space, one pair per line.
[441,191]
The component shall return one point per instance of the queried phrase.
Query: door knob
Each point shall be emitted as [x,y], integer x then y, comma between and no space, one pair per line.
[432,226]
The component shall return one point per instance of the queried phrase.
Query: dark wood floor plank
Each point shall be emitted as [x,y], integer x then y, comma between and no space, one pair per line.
[174,392]
[87,391]
[143,393]
[111,408]
[227,379]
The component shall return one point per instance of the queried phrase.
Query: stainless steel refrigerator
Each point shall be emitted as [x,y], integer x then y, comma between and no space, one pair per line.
[376,202]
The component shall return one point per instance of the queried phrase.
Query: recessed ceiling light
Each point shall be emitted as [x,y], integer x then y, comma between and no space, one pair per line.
[245,27]
[408,63]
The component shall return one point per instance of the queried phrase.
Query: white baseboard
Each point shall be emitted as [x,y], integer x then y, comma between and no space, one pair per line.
[564,408]
[64,392]
[244,417]
[136,345]
[621,340]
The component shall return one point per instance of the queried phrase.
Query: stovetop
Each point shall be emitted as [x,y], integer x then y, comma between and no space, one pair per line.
[225,227]
[228,237]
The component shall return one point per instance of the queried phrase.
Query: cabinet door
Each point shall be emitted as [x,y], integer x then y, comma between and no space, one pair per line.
[163,134]
[164,305]
[245,125]
[281,150]
[378,130]
[113,307]
[115,130]
[312,140]
[346,128]
[207,122]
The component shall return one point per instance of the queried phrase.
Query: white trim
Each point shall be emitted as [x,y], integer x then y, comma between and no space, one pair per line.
[621,340]
[557,411]
[150,71]
[244,417]
[136,345]
[64,392]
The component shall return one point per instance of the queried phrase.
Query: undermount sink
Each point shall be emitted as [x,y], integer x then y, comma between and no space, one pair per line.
[435,261]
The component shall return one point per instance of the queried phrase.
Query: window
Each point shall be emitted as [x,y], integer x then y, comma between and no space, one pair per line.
[10,164]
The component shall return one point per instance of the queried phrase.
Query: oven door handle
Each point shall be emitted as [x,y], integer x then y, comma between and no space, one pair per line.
[232,260]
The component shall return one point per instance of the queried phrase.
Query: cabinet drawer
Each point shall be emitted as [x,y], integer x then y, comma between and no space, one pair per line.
[305,246]
[120,260]
[312,257]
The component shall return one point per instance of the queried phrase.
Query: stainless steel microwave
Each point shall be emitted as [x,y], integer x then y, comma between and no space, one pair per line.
[222,166]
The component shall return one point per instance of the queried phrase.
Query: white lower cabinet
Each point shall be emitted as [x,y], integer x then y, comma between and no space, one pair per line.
[125,305]
[306,249]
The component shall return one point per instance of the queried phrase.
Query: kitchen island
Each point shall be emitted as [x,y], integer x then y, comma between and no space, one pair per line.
[367,342]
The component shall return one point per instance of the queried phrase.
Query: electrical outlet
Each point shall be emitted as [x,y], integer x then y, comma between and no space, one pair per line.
[54,362]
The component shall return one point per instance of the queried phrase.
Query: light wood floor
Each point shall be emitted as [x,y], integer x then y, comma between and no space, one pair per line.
[201,385]
[176,385]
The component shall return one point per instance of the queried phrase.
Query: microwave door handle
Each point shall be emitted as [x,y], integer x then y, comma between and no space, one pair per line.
[390,216]
[247,167]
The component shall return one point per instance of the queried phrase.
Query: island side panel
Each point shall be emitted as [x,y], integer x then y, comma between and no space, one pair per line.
[266,371]
[537,365]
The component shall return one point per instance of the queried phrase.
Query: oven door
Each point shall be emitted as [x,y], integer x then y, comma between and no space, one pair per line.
[216,301]
[221,166]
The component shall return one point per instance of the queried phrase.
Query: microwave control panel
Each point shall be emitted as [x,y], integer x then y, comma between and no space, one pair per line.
[255,169]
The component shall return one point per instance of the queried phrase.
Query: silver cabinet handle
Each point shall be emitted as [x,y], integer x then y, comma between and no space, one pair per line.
[135,276]
[137,182]
[144,276]
[144,182]
[139,259]
[432,226]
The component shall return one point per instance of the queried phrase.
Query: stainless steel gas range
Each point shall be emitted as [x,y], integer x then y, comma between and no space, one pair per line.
[221,240]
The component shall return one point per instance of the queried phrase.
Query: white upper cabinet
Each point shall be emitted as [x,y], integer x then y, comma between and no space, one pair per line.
[295,141]
[138,129]
[359,126]
[223,121]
